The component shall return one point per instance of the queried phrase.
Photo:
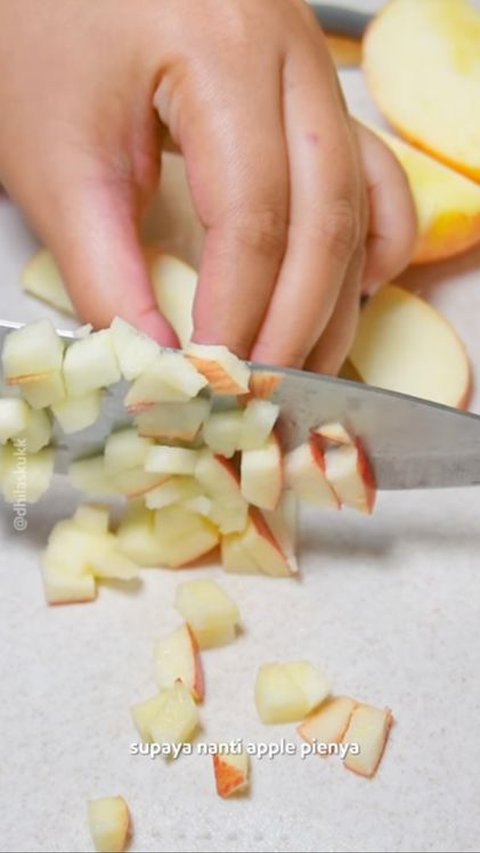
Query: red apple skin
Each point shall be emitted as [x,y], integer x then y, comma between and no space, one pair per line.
[366,473]
[227,463]
[262,385]
[227,778]
[263,529]
[199,683]
[318,457]
[390,722]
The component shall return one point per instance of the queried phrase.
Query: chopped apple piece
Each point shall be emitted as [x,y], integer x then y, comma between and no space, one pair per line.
[333,434]
[404,344]
[222,431]
[31,352]
[38,430]
[263,384]
[109,822]
[329,723]
[26,476]
[218,478]
[144,713]
[89,475]
[177,657]
[183,535]
[224,371]
[173,421]
[113,565]
[259,419]
[124,450]
[209,611]
[93,517]
[286,692]
[235,557]
[169,378]
[91,363]
[61,587]
[136,482]
[229,519]
[136,536]
[77,413]
[42,278]
[369,727]
[171,460]
[231,773]
[348,472]
[263,547]
[262,474]
[44,390]
[177,719]
[282,523]
[174,284]
[199,504]
[174,490]
[305,474]
[13,417]
[134,350]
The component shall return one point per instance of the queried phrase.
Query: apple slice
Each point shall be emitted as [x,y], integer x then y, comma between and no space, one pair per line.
[176,489]
[369,727]
[13,417]
[144,713]
[329,723]
[171,460]
[421,66]
[261,474]
[259,419]
[229,519]
[169,378]
[174,285]
[109,823]
[286,692]
[173,421]
[447,204]
[264,549]
[224,371]
[89,475]
[136,536]
[231,773]
[38,430]
[91,363]
[177,719]
[404,344]
[77,413]
[42,278]
[93,517]
[208,610]
[26,476]
[222,431]
[349,473]
[218,478]
[235,558]
[305,474]
[134,350]
[183,535]
[125,450]
[31,352]
[177,657]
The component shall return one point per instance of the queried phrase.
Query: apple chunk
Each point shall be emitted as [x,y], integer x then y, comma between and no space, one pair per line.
[225,373]
[89,475]
[143,715]
[109,822]
[258,421]
[13,417]
[26,476]
[169,378]
[176,719]
[269,544]
[171,460]
[176,489]
[286,692]
[329,723]
[348,472]
[173,421]
[91,363]
[305,474]
[136,536]
[231,773]
[208,610]
[33,351]
[404,344]
[77,413]
[369,727]
[174,284]
[261,474]
[41,278]
[134,350]
[38,430]
[183,536]
[177,657]
[222,431]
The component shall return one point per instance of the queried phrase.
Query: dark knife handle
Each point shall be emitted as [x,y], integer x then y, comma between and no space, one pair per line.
[341,22]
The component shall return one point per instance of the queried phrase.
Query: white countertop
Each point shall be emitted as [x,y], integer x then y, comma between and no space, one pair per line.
[388,606]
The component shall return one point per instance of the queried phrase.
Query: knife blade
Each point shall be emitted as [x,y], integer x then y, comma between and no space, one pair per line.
[411,443]
[340,21]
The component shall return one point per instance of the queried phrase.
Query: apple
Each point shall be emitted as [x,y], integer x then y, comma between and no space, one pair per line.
[124,450]
[261,474]
[332,434]
[93,517]
[222,432]
[42,390]
[109,823]
[447,203]
[173,421]
[171,460]
[63,587]
[224,372]
[176,719]
[134,350]
[33,351]
[329,722]
[42,278]
[369,727]
[286,692]
[183,536]
[231,773]
[111,564]
[263,384]
[218,478]
[228,519]
[38,430]
[208,610]
[77,413]
[89,475]
[235,558]
[144,713]
[177,656]
[26,476]
[305,474]
[13,417]
[174,284]
[421,65]
[169,378]
[348,471]
[404,344]
[91,363]
[258,420]
[136,536]
[262,547]
[177,489]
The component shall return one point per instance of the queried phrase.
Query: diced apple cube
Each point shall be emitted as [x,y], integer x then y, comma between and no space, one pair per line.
[264,548]
[224,371]
[348,471]
[13,417]
[38,430]
[91,363]
[177,719]
[113,565]
[286,692]
[333,433]
[135,482]
[235,558]
[259,419]
[173,421]
[136,536]
[77,413]
[26,476]
[305,474]
[124,450]
[89,475]
[62,587]
[218,478]
[369,727]
[177,657]
[144,713]
[231,773]
[210,612]
[42,278]
[261,474]
[93,517]
[171,460]
[33,351]
[329,722]
[229,519]
[109,822]
[43,390]
[222,431]
[169,378]
[134,350]
[176,489]
[183,535]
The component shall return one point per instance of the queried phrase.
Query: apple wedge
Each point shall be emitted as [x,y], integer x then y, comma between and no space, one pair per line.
[174,285]
[136,536]
[177,657]
[170,378]
[77,413]
[91,363]
[134,350]
[109,823]
[421,62]
[231,773]
[258,421]
[369,727]
[286,692]
[224,372]
[305,474]
[404,344]
[183,536]
[173,421]
[143,715]
[261,474]
[222,432]
[208,610]
[176,719]
[349,473]
[42,278]
[447,203]
[89,475]
[329,723]
[272,554]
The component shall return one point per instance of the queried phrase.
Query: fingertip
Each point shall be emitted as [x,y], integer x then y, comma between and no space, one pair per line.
[156,326]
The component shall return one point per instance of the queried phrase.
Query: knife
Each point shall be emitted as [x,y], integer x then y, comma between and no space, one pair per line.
[411,443]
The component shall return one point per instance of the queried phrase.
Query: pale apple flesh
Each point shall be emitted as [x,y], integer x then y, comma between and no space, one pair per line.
[209,611]
[368,727]
[177,657]
[329,722]
[110,824]
[286,692]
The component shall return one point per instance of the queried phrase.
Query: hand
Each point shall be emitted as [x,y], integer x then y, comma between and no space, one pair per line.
[299,204]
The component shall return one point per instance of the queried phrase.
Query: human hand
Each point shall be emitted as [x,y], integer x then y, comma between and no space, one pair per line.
[299,204]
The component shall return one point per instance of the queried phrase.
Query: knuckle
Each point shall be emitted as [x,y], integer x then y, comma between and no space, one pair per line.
[340,228]
[262,231]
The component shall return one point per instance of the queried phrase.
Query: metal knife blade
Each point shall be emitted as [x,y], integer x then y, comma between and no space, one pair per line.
[339,21]
[411,443]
